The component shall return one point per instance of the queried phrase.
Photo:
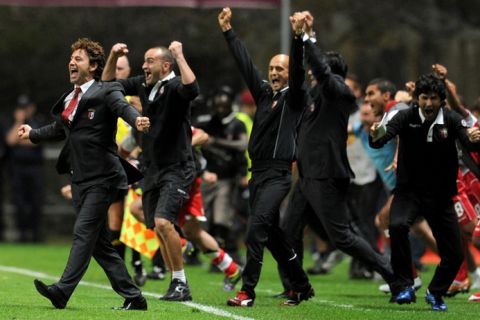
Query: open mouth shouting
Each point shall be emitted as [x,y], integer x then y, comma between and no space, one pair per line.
[148,77]
[73,73]
[429,112]
[276,84]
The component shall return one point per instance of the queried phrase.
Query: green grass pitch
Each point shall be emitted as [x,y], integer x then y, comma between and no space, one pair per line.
[336,297]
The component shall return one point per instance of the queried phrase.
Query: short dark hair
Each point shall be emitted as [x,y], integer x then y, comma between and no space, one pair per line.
[429,83]
[95,54]
[337,63]
[384,85]
[166,56]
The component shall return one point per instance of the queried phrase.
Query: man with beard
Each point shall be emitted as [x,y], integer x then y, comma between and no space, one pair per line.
[426,182]
[87,118]
[167,151]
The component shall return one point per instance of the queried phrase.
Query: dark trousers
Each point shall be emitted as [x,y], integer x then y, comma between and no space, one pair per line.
[267,190]
[440,215]
[299,214]
[91,238]
[327,197]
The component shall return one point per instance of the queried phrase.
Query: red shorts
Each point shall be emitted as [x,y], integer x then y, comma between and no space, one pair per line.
[472,189]
[193,208]
[464,209]
[476,231]
[462,204]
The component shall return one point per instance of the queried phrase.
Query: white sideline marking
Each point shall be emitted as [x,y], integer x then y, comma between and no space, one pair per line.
[332,303]
[205,308]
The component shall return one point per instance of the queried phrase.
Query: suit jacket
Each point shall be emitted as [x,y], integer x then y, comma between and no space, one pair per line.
[322,137]
[90,152]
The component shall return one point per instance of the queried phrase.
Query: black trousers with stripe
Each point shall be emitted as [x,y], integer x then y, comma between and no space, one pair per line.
[268,188]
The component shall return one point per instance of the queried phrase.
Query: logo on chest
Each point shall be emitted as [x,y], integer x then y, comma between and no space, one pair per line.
[443,133]
[91,114]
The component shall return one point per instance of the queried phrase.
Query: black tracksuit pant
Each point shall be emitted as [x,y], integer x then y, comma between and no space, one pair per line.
[440,215]
[298,215]
[327,197]
[268,188]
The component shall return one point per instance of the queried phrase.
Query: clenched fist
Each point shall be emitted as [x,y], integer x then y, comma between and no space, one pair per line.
[142,124]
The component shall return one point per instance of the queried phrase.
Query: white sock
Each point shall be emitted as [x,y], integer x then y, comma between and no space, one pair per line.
[180,275]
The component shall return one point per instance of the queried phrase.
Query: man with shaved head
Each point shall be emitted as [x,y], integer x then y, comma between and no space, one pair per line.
[272,150]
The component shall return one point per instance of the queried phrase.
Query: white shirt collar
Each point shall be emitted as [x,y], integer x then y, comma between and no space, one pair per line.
[281,90]
[438,120]
[170,76]
[157,85]
[84,87]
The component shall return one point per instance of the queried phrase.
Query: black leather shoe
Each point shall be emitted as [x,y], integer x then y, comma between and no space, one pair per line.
[138,303]
[295,297]
[51,292]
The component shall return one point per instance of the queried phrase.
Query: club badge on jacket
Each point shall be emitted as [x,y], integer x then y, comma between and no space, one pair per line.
[443,133]
[91,114]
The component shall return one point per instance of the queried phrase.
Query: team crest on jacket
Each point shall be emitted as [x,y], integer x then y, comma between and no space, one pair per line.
[91,113]
[443,133]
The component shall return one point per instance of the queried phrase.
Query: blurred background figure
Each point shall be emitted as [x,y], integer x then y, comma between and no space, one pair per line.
[3,155]
[225,155]
[25,170]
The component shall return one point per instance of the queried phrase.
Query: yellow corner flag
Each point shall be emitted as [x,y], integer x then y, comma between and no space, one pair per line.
[134,233]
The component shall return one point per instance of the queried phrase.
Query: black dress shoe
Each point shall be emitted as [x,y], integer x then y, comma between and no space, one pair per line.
[51,292]
[138,303]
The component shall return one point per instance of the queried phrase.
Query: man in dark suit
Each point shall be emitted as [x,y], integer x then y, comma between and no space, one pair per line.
[87,118]
[167,150]
[324,171]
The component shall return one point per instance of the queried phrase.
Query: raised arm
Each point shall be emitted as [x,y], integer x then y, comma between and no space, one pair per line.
[186,73]
[118,50]
[452,97]
[244,62]
[296,71]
